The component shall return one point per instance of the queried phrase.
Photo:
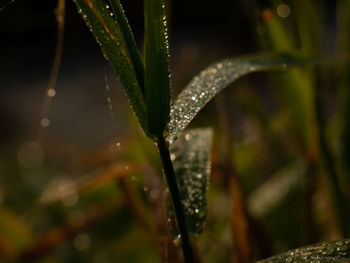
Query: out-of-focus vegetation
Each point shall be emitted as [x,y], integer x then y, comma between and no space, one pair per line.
[280,154]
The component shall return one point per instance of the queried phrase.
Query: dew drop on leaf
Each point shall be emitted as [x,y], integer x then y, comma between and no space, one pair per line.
[192,170]
[215,78]
[334,251]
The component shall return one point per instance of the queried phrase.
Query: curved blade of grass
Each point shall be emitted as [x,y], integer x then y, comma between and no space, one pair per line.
[130,42]
[214,79]
[271,193]
[5,3]
[192,169]
[157,83]
[109,35]
[335,251]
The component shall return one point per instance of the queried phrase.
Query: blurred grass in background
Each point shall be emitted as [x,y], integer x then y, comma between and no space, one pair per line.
[88,190]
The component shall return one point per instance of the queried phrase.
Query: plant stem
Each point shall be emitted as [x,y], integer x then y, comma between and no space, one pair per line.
[175,195]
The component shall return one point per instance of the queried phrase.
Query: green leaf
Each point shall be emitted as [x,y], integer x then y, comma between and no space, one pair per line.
[157,83]
[192,170]
[214,79]
[130,42]
[5,3]
[335,251]
[109,35]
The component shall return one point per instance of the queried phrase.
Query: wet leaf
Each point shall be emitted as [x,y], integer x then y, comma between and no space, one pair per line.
[214,79]
[130,42]
[5,3]
[157,83]
[335,251]
[109,35]
[192,169]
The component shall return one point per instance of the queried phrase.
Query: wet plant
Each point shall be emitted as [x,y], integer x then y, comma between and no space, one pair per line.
[185,154]
[147,85]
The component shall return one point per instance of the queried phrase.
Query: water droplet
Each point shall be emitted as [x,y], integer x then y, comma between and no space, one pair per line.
[342,246]
[118,145]
[45,122]
[51,93]
[177,241]
[199,175]
[283,10]
[328,250]
[109,101]
[289,259]
[193,98]
[172,157]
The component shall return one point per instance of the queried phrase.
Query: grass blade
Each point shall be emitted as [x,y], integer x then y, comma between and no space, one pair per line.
[336,251]
[157,83]
[271,193]
[214,79]
[192,169]
[109,35]
[130,42]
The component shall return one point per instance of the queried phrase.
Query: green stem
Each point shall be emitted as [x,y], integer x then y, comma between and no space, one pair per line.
[174,192]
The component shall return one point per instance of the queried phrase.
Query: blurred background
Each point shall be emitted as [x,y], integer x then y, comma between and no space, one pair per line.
[79,182]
